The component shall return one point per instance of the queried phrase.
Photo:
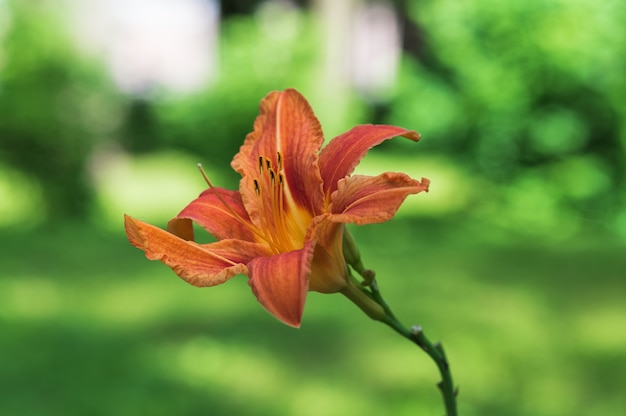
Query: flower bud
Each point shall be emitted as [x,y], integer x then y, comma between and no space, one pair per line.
[351,252]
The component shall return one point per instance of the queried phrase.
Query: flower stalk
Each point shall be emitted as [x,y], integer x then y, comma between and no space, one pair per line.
[367,296]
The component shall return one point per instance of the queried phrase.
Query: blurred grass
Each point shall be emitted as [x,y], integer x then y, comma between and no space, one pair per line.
[89,326]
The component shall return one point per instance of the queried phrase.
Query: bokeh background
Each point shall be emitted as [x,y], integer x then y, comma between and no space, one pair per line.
[515,259]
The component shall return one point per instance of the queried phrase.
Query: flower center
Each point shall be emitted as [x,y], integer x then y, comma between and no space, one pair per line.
[282,224]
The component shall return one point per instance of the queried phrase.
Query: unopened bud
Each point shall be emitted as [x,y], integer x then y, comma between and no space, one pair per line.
[351,252]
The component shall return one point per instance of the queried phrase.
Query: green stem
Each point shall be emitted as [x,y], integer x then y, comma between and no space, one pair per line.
[367,298]
[436,352]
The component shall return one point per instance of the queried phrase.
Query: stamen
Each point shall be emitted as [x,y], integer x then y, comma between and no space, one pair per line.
[268,226]
[281,185]
[204,175]
[279,202]
[274,226]
[278,220]
[270,187]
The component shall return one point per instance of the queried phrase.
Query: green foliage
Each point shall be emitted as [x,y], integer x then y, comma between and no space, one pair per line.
[523,93]
[521,97]
[254,59]
[54,108]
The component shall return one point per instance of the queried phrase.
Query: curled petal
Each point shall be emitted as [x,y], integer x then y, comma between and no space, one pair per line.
[280,283]
[220,212]
[200,265]
[343,153]
[369,199]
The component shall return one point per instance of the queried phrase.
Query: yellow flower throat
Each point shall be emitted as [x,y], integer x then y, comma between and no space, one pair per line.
[282,224]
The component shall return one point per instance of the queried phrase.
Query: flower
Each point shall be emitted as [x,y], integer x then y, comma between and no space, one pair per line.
[284,227]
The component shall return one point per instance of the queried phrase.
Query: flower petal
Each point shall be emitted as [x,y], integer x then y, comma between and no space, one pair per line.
[280,283]
[343,153]
[220,212]
[365,199]
[329,273]
[286,125]
[200,265]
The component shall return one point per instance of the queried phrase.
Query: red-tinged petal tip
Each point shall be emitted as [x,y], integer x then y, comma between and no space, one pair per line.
[370,199]
[280,283]
[343,153]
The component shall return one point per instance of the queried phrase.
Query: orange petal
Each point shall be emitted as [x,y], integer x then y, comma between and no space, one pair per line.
[280,283]
[365,199]
[286,125]
[200,265]
[329,273]
[342,154]
[220,212]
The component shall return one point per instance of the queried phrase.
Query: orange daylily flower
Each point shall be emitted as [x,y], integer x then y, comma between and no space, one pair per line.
[284,227]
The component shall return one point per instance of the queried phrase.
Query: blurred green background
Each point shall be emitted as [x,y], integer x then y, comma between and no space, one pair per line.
[515,258]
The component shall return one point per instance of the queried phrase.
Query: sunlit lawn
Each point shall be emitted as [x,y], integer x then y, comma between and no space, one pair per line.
[90,327]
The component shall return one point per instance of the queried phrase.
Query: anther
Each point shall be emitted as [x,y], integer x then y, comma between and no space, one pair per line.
[204,175]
